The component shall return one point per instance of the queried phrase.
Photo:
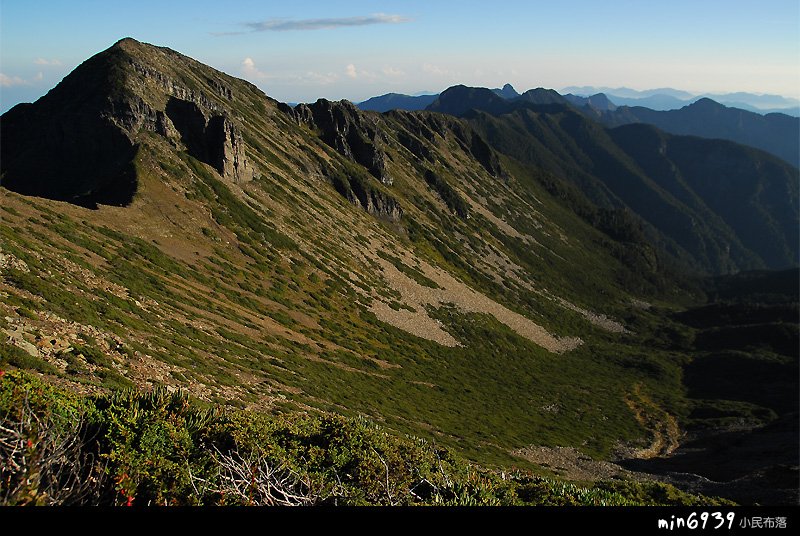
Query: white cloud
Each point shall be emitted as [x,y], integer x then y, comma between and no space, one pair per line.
[350,70]
[308,79]
[251,71]
[49,63]
[391,71]
[11,81]
[39,76]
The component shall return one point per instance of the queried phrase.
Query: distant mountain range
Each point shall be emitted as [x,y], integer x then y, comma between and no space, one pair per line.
[776,133]
[664,179]
[397,101]
[655,99]
[671,99]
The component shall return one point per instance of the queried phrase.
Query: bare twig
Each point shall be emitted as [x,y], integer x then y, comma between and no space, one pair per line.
[45,462]
[256,480]
[392,502]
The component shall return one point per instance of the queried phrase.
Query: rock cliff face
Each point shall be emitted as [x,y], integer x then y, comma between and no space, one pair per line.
[356,136]
[212,139]
[359,192]
[352,133]
[91,143]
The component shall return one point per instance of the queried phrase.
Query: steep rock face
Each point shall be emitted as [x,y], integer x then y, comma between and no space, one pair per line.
[81,158]
[342,127]
[68,145]
[448,194]
[89,144]
[416,136]
[199,122]
[356,136]
[474,145]
[214,140]
[359,192]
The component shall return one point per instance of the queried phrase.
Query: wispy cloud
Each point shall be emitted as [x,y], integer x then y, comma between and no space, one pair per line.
[351,71]
[49,63]
[287,25]
[435,70]
[391,71]
[313,78]
[11,81]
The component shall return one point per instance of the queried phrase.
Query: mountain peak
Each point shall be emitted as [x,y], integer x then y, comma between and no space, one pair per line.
[459,99]
[109,104]
[507,92]
[541,95]
[707,104]
[127,43]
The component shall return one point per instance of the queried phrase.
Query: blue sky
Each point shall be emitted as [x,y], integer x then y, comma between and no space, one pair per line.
[302,50]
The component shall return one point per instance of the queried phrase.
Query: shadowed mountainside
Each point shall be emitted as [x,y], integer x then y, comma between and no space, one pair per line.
[775,133]
[684,189]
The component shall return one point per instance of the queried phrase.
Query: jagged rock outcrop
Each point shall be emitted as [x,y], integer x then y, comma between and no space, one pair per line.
[214,140]
[358,191]
[420,136]
[449,195]
[415,146]
[473,144]
[356,136]
[343,127]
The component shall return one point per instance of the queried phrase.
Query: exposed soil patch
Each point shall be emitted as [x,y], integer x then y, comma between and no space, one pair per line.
[453,291]
[572,464]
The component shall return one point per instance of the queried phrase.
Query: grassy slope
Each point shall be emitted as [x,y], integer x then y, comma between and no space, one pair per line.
[223,313]
[257,295]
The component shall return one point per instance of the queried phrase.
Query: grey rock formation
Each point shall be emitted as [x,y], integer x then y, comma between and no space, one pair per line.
[212,139]
[358,191]
[349,131]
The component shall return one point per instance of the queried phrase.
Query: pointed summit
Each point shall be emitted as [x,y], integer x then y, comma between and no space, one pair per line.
[507,92]
[89,128]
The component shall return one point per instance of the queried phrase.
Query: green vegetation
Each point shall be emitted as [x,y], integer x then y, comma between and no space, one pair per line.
[228,210]
[160,448]
[11,355]
[258,295]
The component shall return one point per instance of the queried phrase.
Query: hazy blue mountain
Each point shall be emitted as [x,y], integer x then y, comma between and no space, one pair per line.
[672,99]
[397,101]
[507,92]
[793,111]
[654,102]
[758,101]
[626,92]
[598,102]
[668,102]
[778,134]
